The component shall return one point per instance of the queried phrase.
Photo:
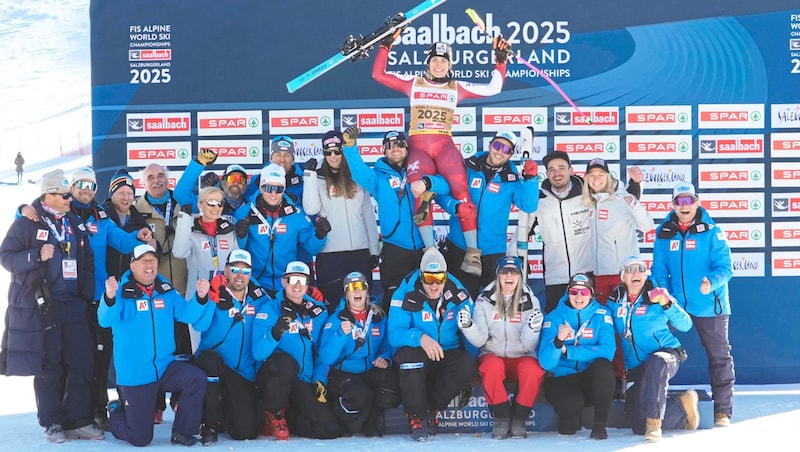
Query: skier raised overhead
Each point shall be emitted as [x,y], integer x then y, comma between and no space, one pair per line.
[434,97]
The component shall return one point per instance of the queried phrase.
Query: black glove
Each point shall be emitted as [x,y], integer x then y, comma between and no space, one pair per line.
[387,41]
[210,179]
[501,48]
[310,165]
[374,261]
[346,316]
[242,228]
[281,326]
[322,228]
[206,157]
[202,300]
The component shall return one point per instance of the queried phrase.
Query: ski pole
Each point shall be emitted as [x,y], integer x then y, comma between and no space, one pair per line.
[481,26]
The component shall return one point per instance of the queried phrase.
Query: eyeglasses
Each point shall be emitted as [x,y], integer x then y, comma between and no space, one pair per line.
[62,195]
[635,268]
[434,278]
[242,270]
[85,185]
[329,152]
[214,203]
[583,291]
[509,270]
[297,279]
[683,201]
[235,178]
[356,285]
[272,188]
[501,147]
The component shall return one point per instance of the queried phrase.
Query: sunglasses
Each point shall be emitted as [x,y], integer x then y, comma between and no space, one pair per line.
[395,144]
[329,152]
[242,270]
[236,178]
[63,195]
[584,291]
[85,185]
[356,285]
[272,188]
[635,268]
[507,270]
[434,278]
[683,201]
[296,279]
[214,203]
[503,148]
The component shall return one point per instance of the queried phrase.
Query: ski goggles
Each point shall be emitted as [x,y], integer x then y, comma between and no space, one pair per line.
[236,178]
[242,270]
[502,147]
[329,152]
[356,285]
[580,291]
[684,201]
[635,268]
[272,188]
[297,279]
[213,203]
[434,278]
[85,185]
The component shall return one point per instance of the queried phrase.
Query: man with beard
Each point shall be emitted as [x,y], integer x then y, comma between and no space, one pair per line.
[232,182]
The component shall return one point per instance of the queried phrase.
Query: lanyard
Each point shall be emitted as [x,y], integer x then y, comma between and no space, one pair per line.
[213,242]
[579,333]
[361,333]
[627,334]
[168,216]
[271,230]
[63,236]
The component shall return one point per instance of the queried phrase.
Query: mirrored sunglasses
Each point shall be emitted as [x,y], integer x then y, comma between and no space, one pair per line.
[635,268]
[242,270]
[582,291]
[272,188]
[683,201]
[356,285]
[85,185]
[434,278]
[213,203]
[297,279]
[236,178]
[329,152]
[502,147]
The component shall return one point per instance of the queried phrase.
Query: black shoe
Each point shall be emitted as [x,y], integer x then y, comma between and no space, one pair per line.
[179,438]
[208,435]
[417,428]
[566,427]
[599,431]
[619,389]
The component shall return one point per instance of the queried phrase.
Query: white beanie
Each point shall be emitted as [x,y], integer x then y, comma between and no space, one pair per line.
[433,261]
[273,174]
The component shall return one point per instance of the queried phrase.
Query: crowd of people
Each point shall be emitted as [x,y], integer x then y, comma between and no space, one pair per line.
[250,300]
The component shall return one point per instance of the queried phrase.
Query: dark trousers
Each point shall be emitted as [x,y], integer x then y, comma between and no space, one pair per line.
[647,397]
[713,333]
[592,387]
[473,284]
[63,387]
[552,295]
[103,352]
[396,264]
[183,349]
[133,422]
[360,399]
[231,399]
[333,267]
[281,390]
[426,384]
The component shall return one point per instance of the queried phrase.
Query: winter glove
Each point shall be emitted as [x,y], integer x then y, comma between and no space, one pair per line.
[281,326]
[350,136]
[210,179]
[206,156]
[501,49]
[530,169]
[374,261]
[322,228]
[535,319]
[464,318]
[388,41]
[659,295]
[320,391]
[316,294]
[310,165]
[242,228]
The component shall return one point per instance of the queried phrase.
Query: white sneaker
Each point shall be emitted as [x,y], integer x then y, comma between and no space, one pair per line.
[91,431]
[55,434]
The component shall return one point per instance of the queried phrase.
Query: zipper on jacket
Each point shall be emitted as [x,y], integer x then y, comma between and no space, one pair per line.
[155,346]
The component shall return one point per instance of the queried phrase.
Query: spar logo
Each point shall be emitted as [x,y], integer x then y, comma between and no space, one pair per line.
[658,207]
[785,234]
[785,263]
[432,95]
[172,153]
[232,151]
[785,144]
[723,116]
[669,117]
[521,119]
[371,150]
[300,121]
[150,55]
[786,174]
[750,175]
[730,116]
[733,205]
[142,125]
[587,145]
[731,146]
[153,154]
[744,234]
[495,118]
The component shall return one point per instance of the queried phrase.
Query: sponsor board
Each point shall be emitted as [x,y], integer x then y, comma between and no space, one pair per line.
[138,182]
[658,117]
[733,205]
[664,176]
[467,145]
[657,205]
[731,146]
[306,148]
[646,239]
[786,204]
[744,235]
[158,124]
[651,147]
[222,123]
[539,149]
[748,265]
[464,120]
[235,151]
[594,118]
[176,153]
[579,169]
[731,175]
[495,119]
[300,121]
[786,174]
[588,147]
[785,263]
[730,116]
[786,233]
[150,55]
[784,145]
[534,241]
[785,116]
[373,120]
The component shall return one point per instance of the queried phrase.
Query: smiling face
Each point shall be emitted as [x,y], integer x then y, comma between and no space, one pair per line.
[497,157]
[439,66]
[335,158]
[597,179]
[237,281]
[83,195]
[233,185]
[122,199]
[558,173]
[295,286]
[579,297]
[508,279]
[145,269]
[397,152]
[634,276]
[357,299]
[155,180]
[686,207]
[282,158]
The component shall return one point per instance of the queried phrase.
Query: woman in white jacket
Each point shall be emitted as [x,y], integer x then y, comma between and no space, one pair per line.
[352,242]
[505,326]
